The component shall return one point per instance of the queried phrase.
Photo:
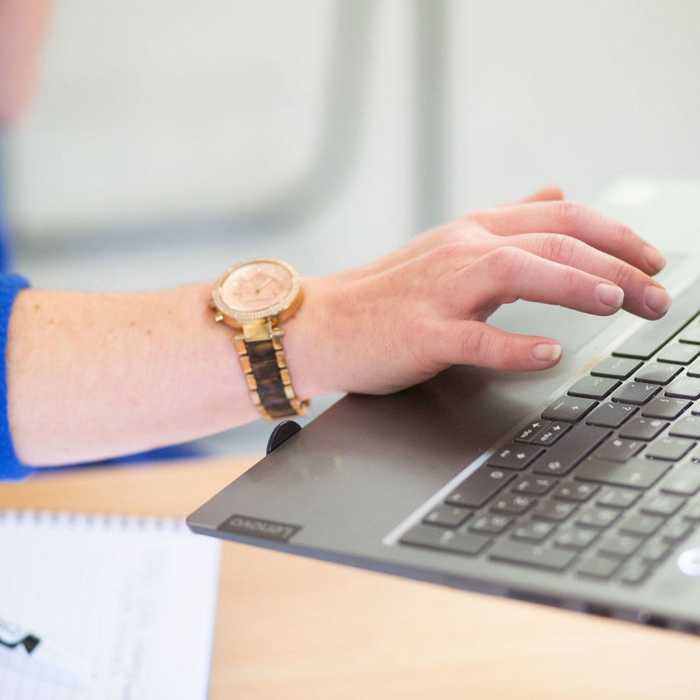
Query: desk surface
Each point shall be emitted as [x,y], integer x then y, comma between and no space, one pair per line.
[294,628]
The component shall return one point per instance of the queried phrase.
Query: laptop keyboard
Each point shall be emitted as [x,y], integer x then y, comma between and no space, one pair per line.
[605,484]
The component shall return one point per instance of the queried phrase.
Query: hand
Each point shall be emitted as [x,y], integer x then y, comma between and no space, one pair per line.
[412,314]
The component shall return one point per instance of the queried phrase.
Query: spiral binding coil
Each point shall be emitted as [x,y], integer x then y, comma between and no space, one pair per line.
[102,520]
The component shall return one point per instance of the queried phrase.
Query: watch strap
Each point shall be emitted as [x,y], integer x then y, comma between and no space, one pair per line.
[267,375]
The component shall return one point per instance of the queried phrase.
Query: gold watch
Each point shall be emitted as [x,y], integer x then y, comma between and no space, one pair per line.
[255,298]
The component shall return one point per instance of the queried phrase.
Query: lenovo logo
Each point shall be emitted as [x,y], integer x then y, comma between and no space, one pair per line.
[255,527]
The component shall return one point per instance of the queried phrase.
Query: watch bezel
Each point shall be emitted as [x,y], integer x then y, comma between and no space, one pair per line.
[277,309]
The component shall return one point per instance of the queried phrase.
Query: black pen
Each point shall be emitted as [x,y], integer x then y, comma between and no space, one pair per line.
[27,652]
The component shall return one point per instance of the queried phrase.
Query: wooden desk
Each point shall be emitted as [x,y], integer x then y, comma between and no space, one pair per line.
[290,628]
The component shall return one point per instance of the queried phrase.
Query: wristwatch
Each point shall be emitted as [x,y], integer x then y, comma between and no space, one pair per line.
[255,298]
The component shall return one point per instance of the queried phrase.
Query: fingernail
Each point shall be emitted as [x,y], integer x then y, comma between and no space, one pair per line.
[657,299]
[546,352]
[610,294]
[654,259]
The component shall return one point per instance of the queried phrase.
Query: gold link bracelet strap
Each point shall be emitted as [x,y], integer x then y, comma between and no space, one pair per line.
[267,375]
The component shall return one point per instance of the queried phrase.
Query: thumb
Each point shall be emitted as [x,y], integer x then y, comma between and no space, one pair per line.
[477,343]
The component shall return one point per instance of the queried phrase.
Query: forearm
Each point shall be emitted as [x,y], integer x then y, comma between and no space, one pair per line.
[96,375]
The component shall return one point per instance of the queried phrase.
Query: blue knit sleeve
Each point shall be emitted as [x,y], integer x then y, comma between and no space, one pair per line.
[10,466]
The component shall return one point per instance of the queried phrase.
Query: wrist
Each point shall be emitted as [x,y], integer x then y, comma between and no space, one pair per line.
[307,342]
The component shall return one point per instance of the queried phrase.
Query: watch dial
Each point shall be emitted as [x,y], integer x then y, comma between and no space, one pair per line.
[256,286]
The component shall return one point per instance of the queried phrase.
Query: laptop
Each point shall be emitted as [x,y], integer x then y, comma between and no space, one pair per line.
[577,487]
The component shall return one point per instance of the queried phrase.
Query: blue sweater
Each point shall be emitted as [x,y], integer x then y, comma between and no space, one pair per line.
[10,467]
[10,286]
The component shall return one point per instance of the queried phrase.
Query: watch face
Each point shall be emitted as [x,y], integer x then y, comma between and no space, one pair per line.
[257,289]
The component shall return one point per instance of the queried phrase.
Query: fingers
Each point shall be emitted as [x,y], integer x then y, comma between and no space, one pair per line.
[580,222]
[643,296]
[548,193]
[507,274]
[476,343]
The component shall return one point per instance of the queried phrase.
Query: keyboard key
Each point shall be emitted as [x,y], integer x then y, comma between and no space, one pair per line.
[611,415]
[692,512]
[690,334]
[650,337]
[446,516]
[531,555]
[671,449]
[683,481]
[569,409]
[655,550]
[533,530]
[534,485]
[684,389]
[593,387]
[598,567]
[512,503]
[688,427]
[662,505]
[635,572]
[598,518]
[573,491]
[637,393]
[619,546]
[514,456]
[618,450]
[478,487]
[445,540]
[679,353]
[641,525]
[663,407]
[636,473]
[643,428]
[677,530]
[490,523]
[554,510]
[529,431]
[570,450]
[617,498]
[694,369]
[551,434]
[657,373]
[617,367]
[575,538]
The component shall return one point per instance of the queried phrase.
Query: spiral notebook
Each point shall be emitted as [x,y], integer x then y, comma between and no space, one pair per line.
[133,599]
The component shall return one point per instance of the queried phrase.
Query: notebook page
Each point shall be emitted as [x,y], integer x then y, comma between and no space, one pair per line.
[132,599]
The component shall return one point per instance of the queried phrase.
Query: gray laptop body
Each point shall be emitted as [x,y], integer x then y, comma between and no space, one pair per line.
[364,475]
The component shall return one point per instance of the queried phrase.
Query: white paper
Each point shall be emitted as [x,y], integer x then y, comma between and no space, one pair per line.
[133,600]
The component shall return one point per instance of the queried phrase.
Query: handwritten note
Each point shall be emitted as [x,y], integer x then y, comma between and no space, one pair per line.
[132,599]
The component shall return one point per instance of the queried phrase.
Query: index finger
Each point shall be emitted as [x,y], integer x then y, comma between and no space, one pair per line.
[579,222]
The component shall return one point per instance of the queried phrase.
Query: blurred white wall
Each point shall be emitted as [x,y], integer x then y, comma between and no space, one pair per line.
[153,113]
[582,93]
[148,109]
